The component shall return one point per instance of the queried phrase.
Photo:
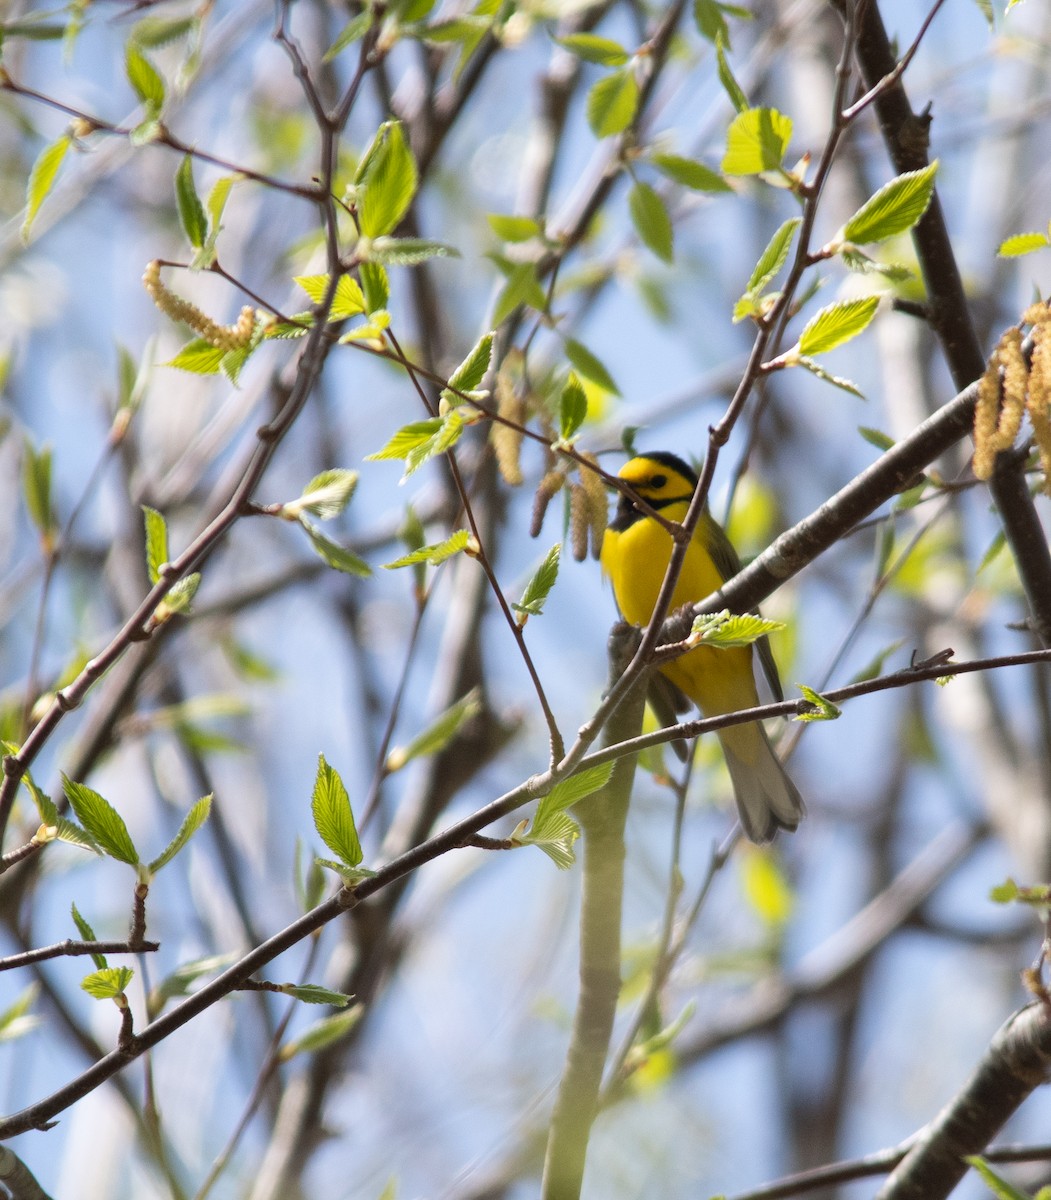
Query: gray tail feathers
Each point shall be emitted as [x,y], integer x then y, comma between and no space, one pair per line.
[767,800]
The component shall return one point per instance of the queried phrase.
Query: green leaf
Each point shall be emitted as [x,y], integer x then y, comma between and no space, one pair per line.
[386,179]
[1022,243]
[986,7]
[407,439]
[323,1034]
[313,993]
[161,31]
[513,229]
[730,85]
[573,407]
[347,302]
[435,554]
[522,287]
[193,821]
[180,595]
[156,542]
[895,208]
[16,1020]
[770,263]
[539,586]
[877,438]
[374,286]
[555,835]
[325,496]
[725,629]
[109,983]
[199,358]
[333,554]
[66,830]
[815,368]
[577,787]
[178,983]
[353,31]
[612,103]
[144,78]
[710,22]
[999,1186]
[594,49]
[756,141]
[191,211]
[592,368]
[836,324]
[102,821]
[470,373]
[690,173]
[438,734]
[651,220]
[36,483]
[450,428]
[333,818]
[87,934]
[41,180]
[824,710]
[404,252]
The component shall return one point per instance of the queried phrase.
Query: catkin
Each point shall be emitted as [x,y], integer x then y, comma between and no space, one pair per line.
[223,337]
[548,487]
[1001,402]
[506,440]
[598,502]
[579,521]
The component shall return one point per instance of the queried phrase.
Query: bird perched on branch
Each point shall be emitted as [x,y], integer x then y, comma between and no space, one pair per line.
[636,551]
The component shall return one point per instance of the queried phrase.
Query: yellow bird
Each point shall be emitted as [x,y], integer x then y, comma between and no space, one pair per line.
[636,551]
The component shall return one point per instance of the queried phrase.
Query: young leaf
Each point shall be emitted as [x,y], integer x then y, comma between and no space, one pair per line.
[179,596]
[1022,243]
[354,30]
[323,1034]
[347,302]
[387,179]
[554,833]
[433,555]
[87,934]
[1000,1187]
[651,220]
[333,818]
[199,358]
[156,542]
[66,830]
[16,1020]
[573,407]
[815,368]
[724,629]
[470,373]
[41,180]
[513,229]
[102,821]
[824,710]
[590,366]
[836,324]
[408,438]
[374,286]
[193,821]
[178,983]
[726,77]
[756,141]
[438,734]
[770,262]
[539,586]
[612,103]
[522,287]
[191,211]
[144,78]
[574,789]
[333,554]
[36,483]
[895,208]
[325,496]
[313,993]
[594,49]
[109,983]
[690,173]
[877,438]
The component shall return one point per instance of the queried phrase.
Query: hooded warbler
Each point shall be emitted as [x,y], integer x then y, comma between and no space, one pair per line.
[636,551]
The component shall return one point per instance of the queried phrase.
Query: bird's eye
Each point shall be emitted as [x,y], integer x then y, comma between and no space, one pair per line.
[658,481]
